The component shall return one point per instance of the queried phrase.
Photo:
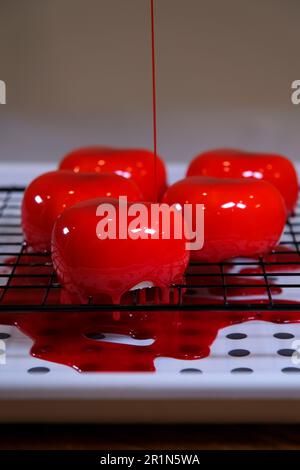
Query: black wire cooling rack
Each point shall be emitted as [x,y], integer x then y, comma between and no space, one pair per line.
[28,282]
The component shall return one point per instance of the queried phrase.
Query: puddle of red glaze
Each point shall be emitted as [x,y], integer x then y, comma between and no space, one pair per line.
[75,338]
[288,260]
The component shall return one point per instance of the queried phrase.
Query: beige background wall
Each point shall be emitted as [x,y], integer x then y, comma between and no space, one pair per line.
[78,72]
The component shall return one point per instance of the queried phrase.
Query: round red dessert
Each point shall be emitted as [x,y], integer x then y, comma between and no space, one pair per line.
[90,265]
[230,163]
[242,217]
[51,193]
[148,172]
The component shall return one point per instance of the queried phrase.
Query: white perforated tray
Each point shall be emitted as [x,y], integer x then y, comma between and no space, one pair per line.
[249,376]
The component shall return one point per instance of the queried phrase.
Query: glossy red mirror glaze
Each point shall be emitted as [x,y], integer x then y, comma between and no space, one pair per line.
[91,267]
[135,164]
[230,163]
[51,193]
[242,217]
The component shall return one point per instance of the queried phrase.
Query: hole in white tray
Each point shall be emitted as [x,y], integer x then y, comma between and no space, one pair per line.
[236,336]
[242,370]
[191,370]
[290,370]
[284,335]
[286,352]
[4,336]
[96,336]
[38,370]
[239,352]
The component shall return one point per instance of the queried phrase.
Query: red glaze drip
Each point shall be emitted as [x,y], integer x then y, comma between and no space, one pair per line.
[288,261]
[199,275]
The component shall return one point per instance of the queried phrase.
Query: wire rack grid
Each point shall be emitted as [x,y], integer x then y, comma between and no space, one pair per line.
[269,282]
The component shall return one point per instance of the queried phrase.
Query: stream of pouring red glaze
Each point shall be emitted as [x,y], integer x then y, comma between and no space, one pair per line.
[81,339]
[153,66]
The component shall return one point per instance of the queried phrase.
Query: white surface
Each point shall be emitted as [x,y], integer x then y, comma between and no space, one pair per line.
[63,394]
